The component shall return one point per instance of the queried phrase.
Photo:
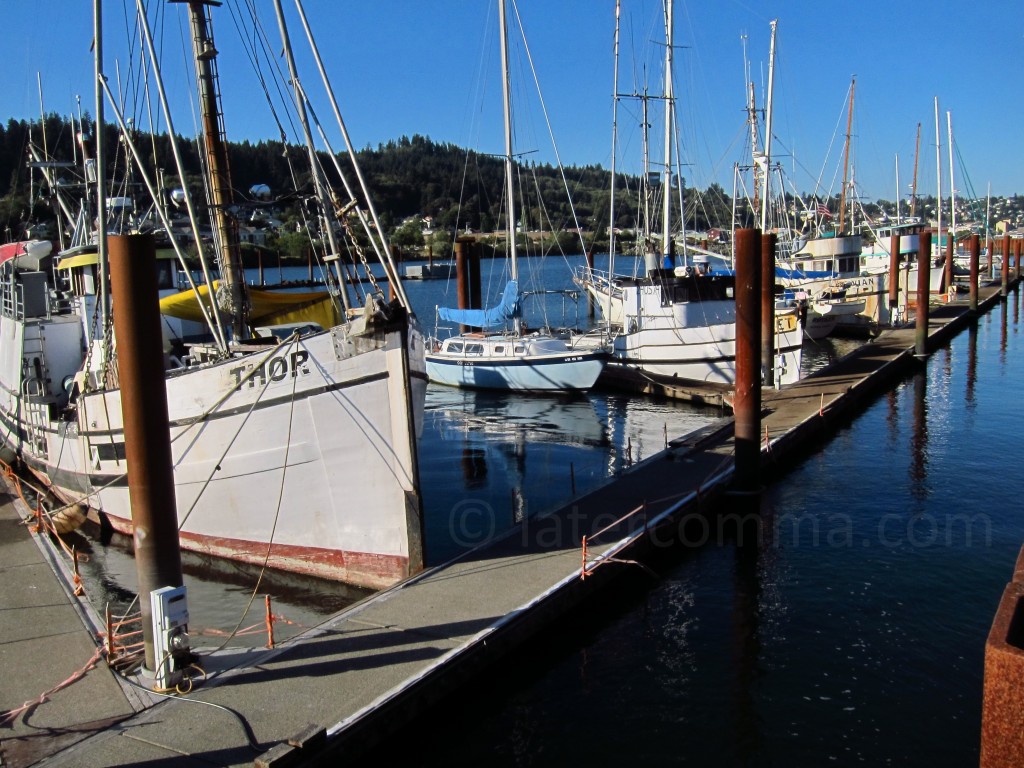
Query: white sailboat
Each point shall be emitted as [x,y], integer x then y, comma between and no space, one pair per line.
[298,454]
[510,360]
[677,323]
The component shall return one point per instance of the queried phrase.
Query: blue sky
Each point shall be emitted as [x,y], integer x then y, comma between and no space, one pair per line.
[403,67]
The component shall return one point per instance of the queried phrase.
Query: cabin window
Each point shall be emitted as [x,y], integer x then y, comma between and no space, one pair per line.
[500,349]
[455,346]
[164,274]
[474,349]
[520,349]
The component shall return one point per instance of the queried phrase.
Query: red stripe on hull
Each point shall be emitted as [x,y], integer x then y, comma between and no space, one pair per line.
[363,569]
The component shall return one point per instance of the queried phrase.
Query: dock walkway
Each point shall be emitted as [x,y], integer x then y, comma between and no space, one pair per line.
[337,688]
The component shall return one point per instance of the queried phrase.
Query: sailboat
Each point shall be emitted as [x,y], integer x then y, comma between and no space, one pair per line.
[298,454]
[513,360]
[677,323]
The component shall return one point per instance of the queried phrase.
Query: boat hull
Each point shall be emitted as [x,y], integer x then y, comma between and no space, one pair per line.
[302,457]
[569,371]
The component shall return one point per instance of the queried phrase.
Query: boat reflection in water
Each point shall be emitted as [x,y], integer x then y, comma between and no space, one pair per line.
[488,459]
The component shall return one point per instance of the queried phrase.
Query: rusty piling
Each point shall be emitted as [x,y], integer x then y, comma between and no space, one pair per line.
[768,243]
[975,250]
[894,276]
[921,311]
[747,400]
[140,366]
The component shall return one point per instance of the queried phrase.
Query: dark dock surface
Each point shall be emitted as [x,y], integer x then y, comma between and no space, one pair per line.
[367,670]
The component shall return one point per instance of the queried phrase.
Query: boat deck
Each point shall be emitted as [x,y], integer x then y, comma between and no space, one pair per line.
[352,680]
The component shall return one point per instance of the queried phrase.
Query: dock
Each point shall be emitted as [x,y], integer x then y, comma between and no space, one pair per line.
[339,688]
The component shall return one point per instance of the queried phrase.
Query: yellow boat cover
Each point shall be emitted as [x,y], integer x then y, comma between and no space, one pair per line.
[266,307]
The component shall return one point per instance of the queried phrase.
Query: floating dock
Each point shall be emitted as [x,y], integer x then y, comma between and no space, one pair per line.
[337,689]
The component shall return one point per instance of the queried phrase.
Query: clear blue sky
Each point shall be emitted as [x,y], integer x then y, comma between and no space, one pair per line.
[403,67]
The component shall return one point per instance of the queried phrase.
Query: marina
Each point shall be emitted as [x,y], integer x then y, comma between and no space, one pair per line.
[511,462]
[366,670]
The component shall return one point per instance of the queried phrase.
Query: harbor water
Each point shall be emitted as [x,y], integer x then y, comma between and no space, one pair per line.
[853,634]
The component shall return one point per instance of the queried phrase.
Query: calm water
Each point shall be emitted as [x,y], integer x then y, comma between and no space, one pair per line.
[854,636]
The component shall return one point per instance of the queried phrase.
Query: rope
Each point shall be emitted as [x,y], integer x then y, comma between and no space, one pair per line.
[12,714]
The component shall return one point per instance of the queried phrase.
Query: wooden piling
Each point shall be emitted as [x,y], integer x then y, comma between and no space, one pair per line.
[947,274]
[1004,288]
[462,288]
[747,399]
[147,443]
[894,275]
[921,313]
[768,243]
[975,250]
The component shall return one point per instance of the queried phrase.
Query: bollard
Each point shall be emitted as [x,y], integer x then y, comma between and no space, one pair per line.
[747,397]
[894,276]
[768,243]
[975,249]
[921,312]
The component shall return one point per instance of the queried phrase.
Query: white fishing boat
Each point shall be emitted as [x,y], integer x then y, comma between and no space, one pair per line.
[297,454]
[512,360]
[677,323]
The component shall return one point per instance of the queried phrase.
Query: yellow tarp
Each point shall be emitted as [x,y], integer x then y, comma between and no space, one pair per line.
[267,307]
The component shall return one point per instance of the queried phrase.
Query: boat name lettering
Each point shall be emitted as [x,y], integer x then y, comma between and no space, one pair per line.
[276,369]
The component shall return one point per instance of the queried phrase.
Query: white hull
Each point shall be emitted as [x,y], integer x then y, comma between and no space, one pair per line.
[685,338]
[312,458]
[514,363]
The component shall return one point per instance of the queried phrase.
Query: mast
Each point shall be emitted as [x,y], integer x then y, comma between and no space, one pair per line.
[988,222]
[897,189]
[666,224]
[615,130]
[101,192]
[768,130]
[938,180]
[913,186]
[234,298]
[846,159]
[506,98]
[326,206]
[952,182]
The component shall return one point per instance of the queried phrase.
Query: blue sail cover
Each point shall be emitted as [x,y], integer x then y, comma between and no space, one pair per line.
[486,318]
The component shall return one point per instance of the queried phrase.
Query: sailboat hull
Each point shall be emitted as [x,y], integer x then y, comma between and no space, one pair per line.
[536,373]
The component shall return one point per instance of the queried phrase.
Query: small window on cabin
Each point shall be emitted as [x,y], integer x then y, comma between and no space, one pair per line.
[455,346]
[520,349]
[164,274]
[474,349]
[500,349]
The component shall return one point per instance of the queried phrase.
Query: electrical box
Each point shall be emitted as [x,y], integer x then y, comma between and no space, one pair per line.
[169,606]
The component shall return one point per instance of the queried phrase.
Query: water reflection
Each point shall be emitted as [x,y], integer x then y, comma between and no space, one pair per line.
[919,439]
[972,364]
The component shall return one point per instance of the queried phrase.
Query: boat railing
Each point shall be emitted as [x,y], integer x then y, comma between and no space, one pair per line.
[12,300]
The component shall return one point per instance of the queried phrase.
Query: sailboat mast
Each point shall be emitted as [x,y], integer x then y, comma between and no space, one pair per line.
[506,98]
[101,191]
[897,189]
[326,206]
[666,223]
[846,159]
[615,136]
[234,300]
[768,129]
[952,180]
[913,186]
[938,179]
